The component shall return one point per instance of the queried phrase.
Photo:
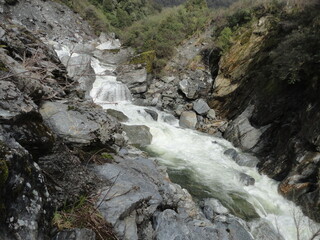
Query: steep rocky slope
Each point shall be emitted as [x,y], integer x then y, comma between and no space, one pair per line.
[268,85]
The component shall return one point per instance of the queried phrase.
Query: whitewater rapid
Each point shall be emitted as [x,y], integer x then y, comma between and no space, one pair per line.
[202,158]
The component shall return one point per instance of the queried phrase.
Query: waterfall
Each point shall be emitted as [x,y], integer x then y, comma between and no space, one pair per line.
[201,158]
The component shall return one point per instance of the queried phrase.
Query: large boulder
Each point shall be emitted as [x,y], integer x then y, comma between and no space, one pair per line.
[120,116]
[212,207]
[242,134]
[134,76]
[83,125]
[200,106]
[242,159]
[195,84]
[189,88]
[79,68]
[188,119]
[138,134]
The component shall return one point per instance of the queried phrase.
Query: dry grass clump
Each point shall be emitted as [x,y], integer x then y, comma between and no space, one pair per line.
[84,214]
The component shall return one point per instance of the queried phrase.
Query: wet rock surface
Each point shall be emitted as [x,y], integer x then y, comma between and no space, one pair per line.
[138,134]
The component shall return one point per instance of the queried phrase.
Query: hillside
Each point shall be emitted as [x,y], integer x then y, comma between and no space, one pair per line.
[211,3]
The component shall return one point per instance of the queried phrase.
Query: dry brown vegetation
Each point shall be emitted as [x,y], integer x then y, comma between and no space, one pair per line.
[84,214]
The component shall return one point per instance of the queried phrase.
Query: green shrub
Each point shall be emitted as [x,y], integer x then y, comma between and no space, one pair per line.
[224,39]
[145,58]
[240,17]
[161,33]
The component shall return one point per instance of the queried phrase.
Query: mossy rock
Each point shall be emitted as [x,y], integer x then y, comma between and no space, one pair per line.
[145,58]
[4,172]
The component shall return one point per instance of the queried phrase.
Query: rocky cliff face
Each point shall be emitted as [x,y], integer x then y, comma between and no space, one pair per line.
[268,85]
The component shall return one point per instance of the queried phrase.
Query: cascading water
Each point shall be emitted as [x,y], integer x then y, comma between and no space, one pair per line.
[106,88]
[199,157]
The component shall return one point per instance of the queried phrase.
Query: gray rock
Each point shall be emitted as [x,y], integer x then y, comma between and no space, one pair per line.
[75,234]
[243,159]
[83,124]
[120,116]
[138,134]
[263,230]
[189,88]
[246,179]
[211,114]
[79,68]
[135,195]
[84,48]
[113,56]
[200,106]
[54,20]
[234,229]
[171,225]
[241,133]
[168,79]
[2,32]
[13,103]
[134,76]
[26,194]
[152,113]
[212,207]
[188,119]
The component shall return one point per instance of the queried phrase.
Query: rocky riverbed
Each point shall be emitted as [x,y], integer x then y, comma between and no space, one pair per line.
[50,129]
[57,145]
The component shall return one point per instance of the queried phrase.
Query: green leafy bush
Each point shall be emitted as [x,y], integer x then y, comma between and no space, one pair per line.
[224,39]
[240,17]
